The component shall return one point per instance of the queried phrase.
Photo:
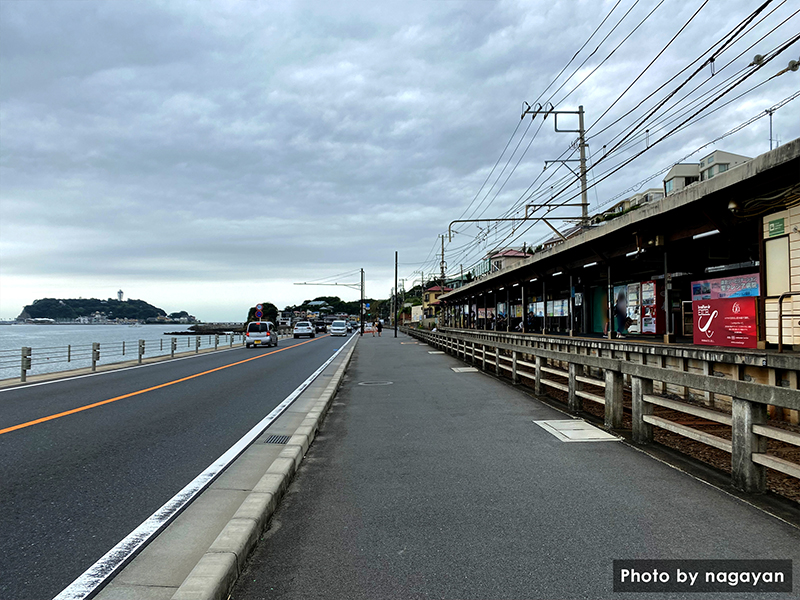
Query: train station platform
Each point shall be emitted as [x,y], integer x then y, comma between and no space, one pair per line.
[429,479]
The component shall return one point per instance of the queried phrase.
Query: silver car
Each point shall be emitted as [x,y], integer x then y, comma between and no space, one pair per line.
[338,328]
[260,333]
[304,328]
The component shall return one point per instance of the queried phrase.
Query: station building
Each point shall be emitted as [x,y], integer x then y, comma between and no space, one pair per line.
[714,262]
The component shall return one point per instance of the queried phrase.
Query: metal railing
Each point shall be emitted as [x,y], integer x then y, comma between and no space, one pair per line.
[781,316]
[568,366]
[50,359]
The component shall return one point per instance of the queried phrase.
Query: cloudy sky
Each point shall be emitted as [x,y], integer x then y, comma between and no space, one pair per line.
[207,155]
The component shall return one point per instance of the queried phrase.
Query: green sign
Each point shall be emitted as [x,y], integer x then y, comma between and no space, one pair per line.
[775,227]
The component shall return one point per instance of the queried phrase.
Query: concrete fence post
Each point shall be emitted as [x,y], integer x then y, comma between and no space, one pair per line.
[613,412]
[173,344]
[483,357]
[25,364]
[216,341]
[95,355]
[537,380]
[575,402]
[642,432]
[497,361]
[514,375]
[745,474]
[196,344]
[140,351]
[708,371]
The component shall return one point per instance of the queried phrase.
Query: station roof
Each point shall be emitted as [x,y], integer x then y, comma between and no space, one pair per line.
[731,203]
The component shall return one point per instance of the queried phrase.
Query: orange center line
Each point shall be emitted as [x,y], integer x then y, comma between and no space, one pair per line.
[150,389]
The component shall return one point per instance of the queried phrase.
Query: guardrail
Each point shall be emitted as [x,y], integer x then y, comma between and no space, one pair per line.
[604,367]
[90,355]
[781,315]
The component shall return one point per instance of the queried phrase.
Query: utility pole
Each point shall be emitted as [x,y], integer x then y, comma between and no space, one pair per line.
[394,298]
[584,191]
[362,302]
[539,109]
[442,264]
[769,112]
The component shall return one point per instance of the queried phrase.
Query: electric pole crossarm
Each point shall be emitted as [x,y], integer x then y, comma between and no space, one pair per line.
[355,286]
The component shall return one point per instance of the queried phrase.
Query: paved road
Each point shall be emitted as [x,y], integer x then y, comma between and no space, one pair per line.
[441,486]
[72,487]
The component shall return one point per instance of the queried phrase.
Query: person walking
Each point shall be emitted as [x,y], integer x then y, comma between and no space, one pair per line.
[379,327]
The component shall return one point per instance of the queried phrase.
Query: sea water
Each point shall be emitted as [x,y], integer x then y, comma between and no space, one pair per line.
[49,345]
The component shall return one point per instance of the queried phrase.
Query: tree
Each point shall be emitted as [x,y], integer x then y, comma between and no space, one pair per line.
[270,313]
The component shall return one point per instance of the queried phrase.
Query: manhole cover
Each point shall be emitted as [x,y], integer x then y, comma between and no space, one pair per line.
[576,431]
[376,383]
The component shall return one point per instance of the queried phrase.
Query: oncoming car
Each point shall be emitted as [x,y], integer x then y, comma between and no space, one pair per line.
[338,328]
[260,333]
[304,328]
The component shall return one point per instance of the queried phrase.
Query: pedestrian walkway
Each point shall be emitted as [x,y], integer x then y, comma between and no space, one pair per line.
[427,482]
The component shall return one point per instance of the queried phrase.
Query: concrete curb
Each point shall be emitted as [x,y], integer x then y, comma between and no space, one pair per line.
[216,573]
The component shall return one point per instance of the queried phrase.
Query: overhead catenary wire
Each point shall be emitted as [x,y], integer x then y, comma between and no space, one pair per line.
[715,95]
[686,68]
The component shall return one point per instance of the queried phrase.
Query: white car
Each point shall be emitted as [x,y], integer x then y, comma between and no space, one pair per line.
[338,328]
[304,328]
[260,333]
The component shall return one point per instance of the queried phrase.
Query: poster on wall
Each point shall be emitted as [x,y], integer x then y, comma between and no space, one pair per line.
[726,287]
[481,313]
[518,311]
[727,322]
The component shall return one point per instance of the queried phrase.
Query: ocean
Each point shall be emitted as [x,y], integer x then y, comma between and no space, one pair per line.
[49,345]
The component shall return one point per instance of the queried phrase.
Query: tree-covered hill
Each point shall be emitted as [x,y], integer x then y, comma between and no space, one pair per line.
[53,308]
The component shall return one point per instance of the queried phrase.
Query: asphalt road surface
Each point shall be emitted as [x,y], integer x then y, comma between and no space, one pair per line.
[73,486]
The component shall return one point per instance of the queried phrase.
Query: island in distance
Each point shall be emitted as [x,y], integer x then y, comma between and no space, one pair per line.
[95,311]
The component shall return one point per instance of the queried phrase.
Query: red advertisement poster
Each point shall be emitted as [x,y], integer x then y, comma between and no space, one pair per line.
[725,322]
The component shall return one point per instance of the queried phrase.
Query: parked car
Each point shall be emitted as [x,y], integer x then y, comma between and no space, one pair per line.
[302,328]
[260,333]
[338,328]
[320,327]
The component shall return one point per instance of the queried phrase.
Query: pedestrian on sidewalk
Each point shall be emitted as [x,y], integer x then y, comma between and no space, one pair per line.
[374,327]
[379,327]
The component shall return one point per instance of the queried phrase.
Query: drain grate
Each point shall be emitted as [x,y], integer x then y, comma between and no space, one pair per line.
[278,439]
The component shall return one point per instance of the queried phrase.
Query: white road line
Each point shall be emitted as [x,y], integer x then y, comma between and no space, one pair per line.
[121,554]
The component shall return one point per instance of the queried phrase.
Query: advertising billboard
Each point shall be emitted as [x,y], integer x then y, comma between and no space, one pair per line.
[727,322]
[726,287]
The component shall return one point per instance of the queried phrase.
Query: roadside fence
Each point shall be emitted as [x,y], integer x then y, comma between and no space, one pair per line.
[52,359]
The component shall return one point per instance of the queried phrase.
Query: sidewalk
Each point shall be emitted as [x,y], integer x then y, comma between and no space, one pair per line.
[440,485]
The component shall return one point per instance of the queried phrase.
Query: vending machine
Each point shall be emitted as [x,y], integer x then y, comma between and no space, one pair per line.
[634,308]
[653,317]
